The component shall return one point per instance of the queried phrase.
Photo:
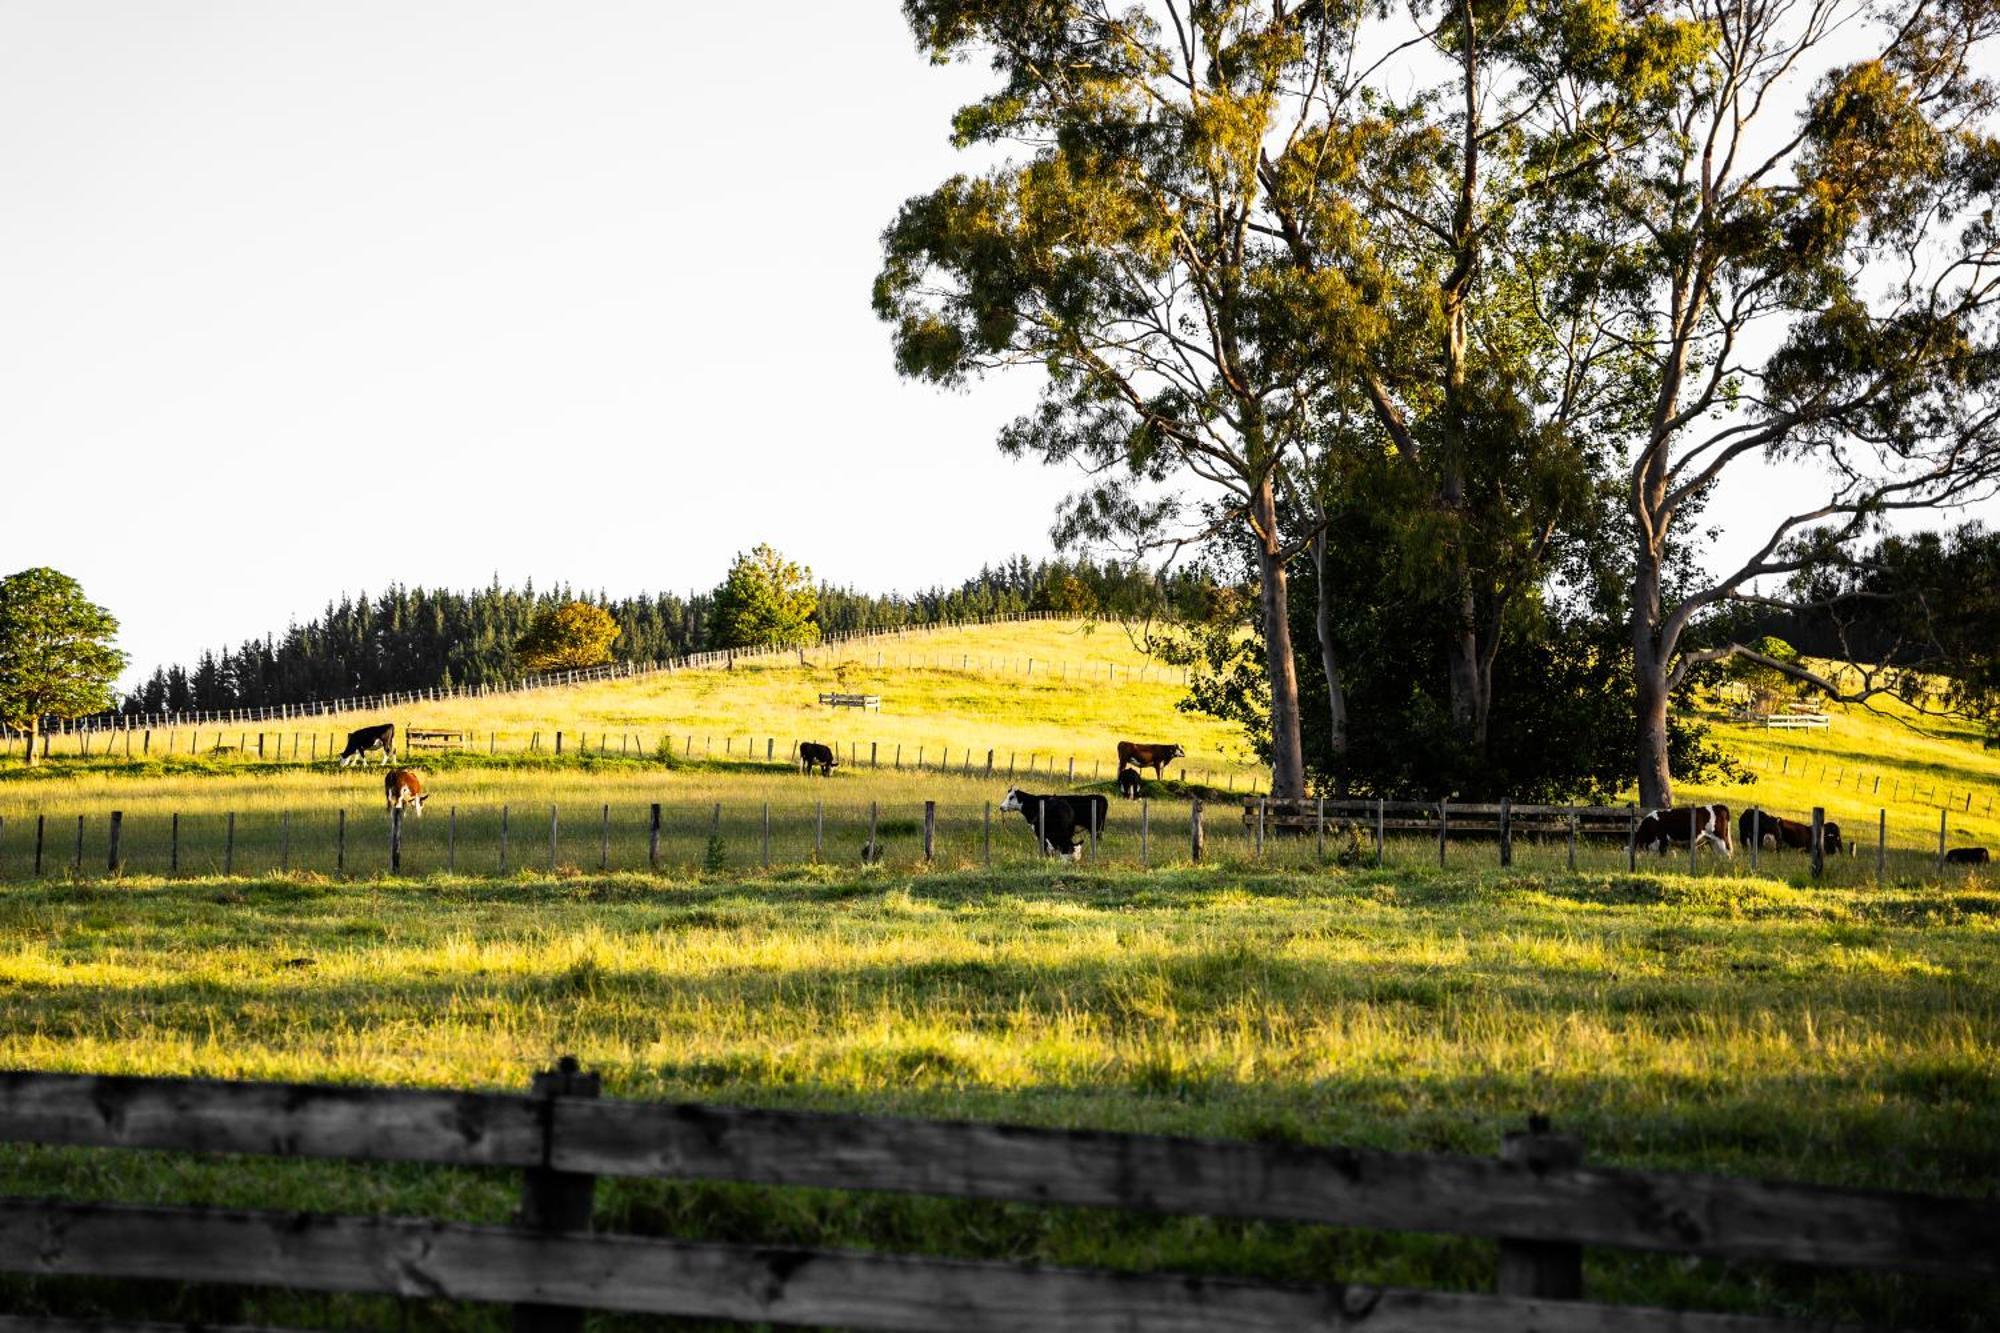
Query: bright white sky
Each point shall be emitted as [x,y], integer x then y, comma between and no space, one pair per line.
[299,299]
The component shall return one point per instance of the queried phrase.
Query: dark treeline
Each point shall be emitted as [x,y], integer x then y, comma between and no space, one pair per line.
[417,638]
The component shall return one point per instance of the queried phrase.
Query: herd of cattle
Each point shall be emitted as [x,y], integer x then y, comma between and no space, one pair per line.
[1065,824]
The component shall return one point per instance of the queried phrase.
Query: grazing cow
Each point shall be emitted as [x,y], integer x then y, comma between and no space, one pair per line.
[1780,834]
[1665,829]
[402,788]
[814,755]
[1131,754]
[1129,783]
[1065,821]
[359,743]
[1968,856]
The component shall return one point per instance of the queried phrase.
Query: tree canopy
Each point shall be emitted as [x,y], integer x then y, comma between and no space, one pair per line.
[568,637]
[766,601]
[56,653]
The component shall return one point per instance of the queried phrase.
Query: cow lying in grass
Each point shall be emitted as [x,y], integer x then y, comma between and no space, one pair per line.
[1064,823]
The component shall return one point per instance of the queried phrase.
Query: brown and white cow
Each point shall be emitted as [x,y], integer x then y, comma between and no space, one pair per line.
[1133,754]
[359,743]
[1776,833]
[1663,830]
[404,789]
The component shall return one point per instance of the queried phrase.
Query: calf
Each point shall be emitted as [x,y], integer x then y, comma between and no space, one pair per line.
[1132,754]
[1968,856]
[1129,783]
[1675,827]
[359,743]
[814,755]
[1775,832]
[402,788]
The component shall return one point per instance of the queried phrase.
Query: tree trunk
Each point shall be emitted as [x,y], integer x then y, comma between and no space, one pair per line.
[1649,670]
[1468,697]
[1329,657]
[1288,770]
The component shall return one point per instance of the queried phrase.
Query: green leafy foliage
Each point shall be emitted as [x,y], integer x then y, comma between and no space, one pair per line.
[766,601]
[568,637]
[56,653]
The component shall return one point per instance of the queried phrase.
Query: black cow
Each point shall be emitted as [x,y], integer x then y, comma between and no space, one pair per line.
[1132,754]
[1129,783]
[1968,856]
[814,755]
[1065,822]
[1663,830]
[359,743]
[1778,833]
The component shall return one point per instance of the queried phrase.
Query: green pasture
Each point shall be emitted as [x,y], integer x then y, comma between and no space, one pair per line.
[1841,1034]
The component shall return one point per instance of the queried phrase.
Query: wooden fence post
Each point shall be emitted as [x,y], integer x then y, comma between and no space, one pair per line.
[930,830]
[1260,828]
[503,839]
[604,837]
[1444,829]
[819,830]
[76,861]
[229,846]
[1632,840]
[451,842]
[1195,838]
[395,839]
[873,755]
[1943,816]
[1756,834]
[653,839]
[112,862]
[558,742]
[556,1201]
[873,852]
[1881,843]
[40,821]
[1818,841]
[1548,1270]
[989,763]
[986,836]
[1145,834]
[1506,832]
[1042,829]
[1379,804]
[340,843]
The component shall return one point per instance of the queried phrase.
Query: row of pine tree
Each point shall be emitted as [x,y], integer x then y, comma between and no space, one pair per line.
[416,638]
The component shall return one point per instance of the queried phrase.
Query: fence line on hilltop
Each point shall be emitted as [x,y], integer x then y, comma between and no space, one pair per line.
[114,721]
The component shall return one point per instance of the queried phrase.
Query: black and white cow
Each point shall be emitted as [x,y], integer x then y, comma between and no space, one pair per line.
[1064,822]
[1664,830]
[814,755]
[359,743]
[1130,784]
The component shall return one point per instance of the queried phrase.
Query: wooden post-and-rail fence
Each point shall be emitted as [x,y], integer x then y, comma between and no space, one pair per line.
[1537,1199]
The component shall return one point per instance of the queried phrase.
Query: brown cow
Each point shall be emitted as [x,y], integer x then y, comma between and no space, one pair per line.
[1133,754]
[1775,833]
[401,787]
[1663,830]
[1968,856]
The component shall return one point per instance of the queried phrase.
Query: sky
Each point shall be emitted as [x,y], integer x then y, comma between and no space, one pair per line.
[302,299]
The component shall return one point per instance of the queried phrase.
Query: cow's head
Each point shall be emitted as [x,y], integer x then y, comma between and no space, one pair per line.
[1830,838]
[1012,801]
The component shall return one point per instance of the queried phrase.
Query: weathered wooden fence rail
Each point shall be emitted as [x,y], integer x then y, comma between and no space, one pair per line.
[1537,1200]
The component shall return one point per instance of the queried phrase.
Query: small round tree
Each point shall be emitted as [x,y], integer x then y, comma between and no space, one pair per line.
[767,601]
[568,637]
[56,658]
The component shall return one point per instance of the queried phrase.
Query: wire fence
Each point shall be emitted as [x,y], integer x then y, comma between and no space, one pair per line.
[576,838]
[835,648]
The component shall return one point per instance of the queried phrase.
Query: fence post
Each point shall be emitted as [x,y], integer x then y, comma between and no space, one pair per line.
[1379,808]
[930,829]
[112,862]
[1506,832]
[40,822]
[1572,837]
[555,1201]
[1632,840]
[986,836]
[1943,815]
[1319,831]
[873,852]
[1145,834]
[1195,838]
[395,839]
[1818,841]
[451,842]
[503,839]
[76,860]
[1548,1270]
[229,846]
[873,755]
[819,829]
[1444,828]
[1881,843]
[653,839]
[1042,829]
[1756,834]
[989,763]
